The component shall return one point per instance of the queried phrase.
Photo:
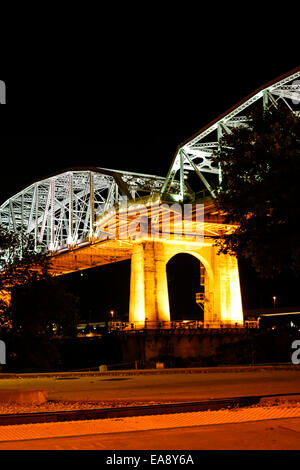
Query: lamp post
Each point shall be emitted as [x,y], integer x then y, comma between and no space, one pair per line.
[274,301]
[112,317]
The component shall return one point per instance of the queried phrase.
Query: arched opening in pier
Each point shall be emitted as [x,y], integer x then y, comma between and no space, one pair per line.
[185,274]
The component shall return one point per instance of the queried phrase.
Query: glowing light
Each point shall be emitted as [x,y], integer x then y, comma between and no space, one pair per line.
[176,197]
[70,240]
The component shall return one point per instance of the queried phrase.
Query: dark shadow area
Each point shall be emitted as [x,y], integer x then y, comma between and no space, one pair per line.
[258,293]
[100,290]
[183,274]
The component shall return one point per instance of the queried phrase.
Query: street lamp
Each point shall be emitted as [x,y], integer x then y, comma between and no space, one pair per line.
[112,317]
[274,301]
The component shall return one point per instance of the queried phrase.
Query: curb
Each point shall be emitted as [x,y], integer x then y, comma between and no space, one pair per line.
[23,396]
[192,370]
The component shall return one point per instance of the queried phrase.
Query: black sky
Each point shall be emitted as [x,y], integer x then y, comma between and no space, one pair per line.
[127,111]
[131,116]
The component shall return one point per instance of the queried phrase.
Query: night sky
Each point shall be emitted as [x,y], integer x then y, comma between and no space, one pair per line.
[127,112]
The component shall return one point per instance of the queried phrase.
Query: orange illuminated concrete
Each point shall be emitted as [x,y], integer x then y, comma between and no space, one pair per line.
[149,289]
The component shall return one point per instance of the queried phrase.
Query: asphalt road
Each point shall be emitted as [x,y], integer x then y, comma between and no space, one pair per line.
[162,387]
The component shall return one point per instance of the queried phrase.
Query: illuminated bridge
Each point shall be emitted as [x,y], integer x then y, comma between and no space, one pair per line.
[85,217]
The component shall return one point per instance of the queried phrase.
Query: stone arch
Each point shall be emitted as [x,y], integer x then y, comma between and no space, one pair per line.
[209,278]
[197,255]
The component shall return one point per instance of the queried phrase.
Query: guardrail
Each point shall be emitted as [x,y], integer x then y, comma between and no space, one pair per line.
[94,329]
[183,324]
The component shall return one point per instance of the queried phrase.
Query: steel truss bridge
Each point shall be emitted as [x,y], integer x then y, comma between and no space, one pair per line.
[61,210]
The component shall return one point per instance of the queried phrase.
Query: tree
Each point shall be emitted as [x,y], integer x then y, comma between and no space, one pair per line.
[44,307]
[19,266]
[40,301]
[259,190]
[40,307]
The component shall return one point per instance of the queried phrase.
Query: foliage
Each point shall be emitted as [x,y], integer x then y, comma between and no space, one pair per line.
[44,307]
[31,353]
[40,302]
[260,190]
[19,265]
[40,307]
[19,262]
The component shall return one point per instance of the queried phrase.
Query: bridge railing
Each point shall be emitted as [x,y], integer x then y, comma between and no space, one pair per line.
[167,325]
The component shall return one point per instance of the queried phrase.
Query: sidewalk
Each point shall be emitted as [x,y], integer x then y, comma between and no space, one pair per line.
[272,435]
[128,390]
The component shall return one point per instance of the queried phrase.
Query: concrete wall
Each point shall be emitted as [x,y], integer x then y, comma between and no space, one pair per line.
[181,347]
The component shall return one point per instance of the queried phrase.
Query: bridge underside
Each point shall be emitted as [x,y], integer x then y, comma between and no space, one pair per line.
[89,256]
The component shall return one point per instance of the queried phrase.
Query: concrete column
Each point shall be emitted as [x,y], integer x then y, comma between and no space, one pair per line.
[156,285]
[227,292]
[137,287]
[149,298]
[209,313]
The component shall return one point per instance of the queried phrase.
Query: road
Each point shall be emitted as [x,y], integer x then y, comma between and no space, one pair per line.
[162,387]
[282,433]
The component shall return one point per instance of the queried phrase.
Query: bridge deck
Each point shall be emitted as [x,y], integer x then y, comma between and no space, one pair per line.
[90,255]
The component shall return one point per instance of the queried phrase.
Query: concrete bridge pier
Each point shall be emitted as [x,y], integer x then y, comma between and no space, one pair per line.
[149,299]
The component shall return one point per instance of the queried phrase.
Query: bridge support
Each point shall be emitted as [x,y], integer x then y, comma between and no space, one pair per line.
[149,300]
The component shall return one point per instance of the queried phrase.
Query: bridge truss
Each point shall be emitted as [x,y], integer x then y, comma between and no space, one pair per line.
[194,155]
[60,211]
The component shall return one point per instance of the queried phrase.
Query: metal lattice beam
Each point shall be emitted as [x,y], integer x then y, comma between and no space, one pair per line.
[60,211]
[194,155]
